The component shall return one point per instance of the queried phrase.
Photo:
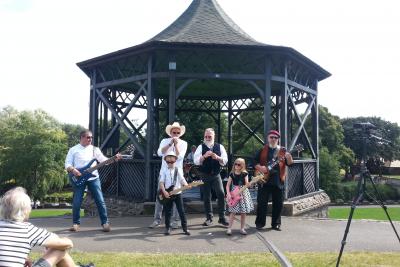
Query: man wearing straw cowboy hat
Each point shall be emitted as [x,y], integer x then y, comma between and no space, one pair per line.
[178,146]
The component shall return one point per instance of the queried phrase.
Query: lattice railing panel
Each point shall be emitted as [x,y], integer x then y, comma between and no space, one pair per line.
[309,177]
[294,180]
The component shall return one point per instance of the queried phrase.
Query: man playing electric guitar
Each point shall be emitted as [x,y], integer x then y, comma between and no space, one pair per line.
[275,180]
[79,156]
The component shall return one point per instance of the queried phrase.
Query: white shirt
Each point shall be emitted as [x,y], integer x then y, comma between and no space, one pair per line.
[79,156]
[16,241]
[199,153]
[182,146]
[167,177]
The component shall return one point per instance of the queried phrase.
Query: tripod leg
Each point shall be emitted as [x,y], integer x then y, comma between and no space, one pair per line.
[356,200]
[382,204]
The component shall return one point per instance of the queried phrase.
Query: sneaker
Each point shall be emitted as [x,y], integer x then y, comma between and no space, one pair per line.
[186,232]
[91,264]
[243,232]
[154,224]
[106,227]
[223,222]
[175,225]
[208,222]
[229,231]
[74,228]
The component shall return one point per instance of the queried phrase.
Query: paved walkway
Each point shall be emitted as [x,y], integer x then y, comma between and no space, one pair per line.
[131,234]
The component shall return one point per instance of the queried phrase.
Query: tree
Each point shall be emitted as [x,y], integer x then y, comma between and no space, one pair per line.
[72,131]
[375,147]
[33,151]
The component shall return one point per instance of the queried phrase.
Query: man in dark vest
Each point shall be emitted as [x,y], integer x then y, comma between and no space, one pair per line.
[211,156]
[275,183]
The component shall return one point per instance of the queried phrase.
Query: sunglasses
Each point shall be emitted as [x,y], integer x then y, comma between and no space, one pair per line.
[208,136]
[170,162]
[238,164]
[273,137]
[89,137]
[176,132]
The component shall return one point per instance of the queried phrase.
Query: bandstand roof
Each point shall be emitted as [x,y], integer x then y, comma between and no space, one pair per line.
[204,24]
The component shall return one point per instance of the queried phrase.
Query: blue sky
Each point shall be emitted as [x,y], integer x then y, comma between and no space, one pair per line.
[42,40]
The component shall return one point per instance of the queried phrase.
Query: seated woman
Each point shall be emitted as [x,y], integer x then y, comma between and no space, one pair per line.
[18,237]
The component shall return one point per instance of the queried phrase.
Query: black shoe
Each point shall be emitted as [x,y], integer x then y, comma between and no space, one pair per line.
[207,222]
[86,265]
[186,232]
[223,222]
[167,231]
[259,227]
[276,228]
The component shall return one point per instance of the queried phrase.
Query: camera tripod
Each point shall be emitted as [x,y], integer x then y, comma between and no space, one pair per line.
[361,192]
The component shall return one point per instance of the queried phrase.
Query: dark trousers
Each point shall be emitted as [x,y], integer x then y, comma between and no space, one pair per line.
[213,182]
[263,195]
[177,199]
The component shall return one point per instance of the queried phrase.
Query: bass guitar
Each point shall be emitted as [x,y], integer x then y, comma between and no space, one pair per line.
[236,193]
[275,161]
[87,171]
[172,192]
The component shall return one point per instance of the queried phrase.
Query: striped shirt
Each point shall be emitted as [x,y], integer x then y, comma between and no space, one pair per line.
[16,241]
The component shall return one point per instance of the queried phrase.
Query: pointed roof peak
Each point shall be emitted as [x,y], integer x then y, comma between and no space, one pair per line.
[205,22]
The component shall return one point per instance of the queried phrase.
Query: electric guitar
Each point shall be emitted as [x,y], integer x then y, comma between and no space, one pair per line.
[236,193]
[172,192]
[87,170]
[275,161]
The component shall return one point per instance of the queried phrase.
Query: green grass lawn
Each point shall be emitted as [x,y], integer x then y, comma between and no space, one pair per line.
[41,213]
[392,176]
[235,259]
[365,213]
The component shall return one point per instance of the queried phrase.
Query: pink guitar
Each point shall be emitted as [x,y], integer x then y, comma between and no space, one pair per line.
[236,193]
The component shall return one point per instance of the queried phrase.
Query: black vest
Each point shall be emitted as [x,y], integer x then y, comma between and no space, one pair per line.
[210,165]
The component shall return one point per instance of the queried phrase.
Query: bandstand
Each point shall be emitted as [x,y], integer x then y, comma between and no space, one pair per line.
[202,62]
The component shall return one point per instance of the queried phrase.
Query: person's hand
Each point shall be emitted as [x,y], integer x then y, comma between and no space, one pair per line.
[28,263]
[175,141]
[189,186]
[208,154]
[166,194]
[118,156]
[76,173]
[214,156]
[228,196]
[288,155]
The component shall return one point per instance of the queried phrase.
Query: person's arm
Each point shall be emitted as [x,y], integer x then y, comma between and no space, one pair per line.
[228,187]
[69,163]
[98,155]
[180,149]
[223,159]
[182,180]
[165,144]
[59,243]
[288,159]
[197,157]
[162,186]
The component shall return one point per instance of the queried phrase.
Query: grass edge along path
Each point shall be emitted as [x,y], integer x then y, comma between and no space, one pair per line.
[375,213]
[122,259]
[44,213]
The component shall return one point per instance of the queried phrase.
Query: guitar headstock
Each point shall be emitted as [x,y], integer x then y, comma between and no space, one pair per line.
[258,177]
[129,150]
[298,148]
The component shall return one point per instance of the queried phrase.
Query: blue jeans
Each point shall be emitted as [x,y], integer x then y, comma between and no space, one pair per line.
[94,187]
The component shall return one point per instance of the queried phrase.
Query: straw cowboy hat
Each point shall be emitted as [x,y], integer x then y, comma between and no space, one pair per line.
[182,128]
[171,154]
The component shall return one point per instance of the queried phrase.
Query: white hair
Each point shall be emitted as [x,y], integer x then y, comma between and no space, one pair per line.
[15,205]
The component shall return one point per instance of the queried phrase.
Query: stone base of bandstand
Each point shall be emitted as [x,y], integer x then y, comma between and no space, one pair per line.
[311,205]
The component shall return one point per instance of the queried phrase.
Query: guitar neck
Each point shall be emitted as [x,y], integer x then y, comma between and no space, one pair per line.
[247,186]
[101,164]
